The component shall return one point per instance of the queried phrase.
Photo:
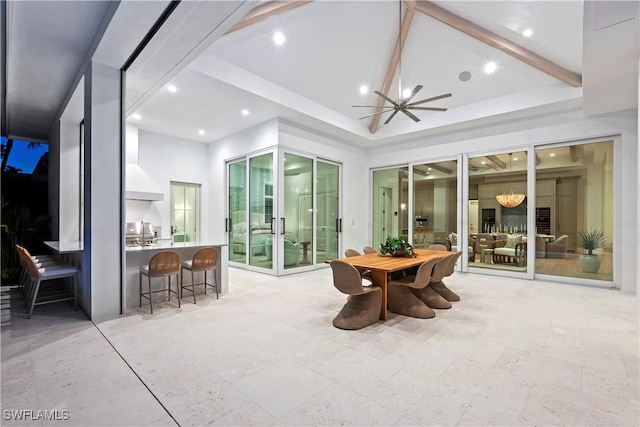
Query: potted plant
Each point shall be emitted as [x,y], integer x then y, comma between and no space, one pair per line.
[396,246]
[589,240]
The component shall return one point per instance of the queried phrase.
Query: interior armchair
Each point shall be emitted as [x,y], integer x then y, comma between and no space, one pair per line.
[557,248]
[291,249]
[512,250]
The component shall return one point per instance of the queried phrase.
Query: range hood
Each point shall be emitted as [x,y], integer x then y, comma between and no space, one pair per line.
[140,186]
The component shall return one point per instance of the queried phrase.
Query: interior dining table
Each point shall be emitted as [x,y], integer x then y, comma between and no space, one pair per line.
[382,266]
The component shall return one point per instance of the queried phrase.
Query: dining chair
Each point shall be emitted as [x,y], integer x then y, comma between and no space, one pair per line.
[427,294]
[440,287]
[369,250]
[365,274]
[401,293]
[437,247]
[163,264]
[204,260]
[364,302]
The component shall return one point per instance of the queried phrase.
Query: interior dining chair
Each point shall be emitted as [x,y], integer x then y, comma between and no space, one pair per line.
[369,250]
[364,302]
[401,296]
[204,260]
[163,264]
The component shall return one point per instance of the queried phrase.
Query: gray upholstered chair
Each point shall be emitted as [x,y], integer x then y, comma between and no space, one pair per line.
[427,294]
[557,248]
[402,297]
[364,302]
[440,287]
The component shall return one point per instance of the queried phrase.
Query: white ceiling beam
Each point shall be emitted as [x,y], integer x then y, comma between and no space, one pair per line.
[510,48]
[393,63]
[266,10]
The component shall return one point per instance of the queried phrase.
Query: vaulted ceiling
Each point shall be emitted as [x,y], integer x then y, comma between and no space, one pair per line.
[332,48]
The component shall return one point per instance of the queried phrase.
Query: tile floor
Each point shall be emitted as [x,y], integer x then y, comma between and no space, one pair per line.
[512,352]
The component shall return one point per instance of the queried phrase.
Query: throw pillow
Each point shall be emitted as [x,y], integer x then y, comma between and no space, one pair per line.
[454,239]
[513,240]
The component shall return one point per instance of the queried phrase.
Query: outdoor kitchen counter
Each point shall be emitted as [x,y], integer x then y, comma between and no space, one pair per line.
[138,256]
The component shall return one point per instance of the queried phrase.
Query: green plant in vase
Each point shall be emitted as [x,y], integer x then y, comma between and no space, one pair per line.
[396,246]
[590,240]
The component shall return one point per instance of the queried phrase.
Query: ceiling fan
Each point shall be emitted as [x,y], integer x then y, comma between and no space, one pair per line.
[402,104]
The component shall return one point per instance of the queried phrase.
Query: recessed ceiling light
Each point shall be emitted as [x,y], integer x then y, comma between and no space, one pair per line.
[483,162]
[406,93]
[528,32]
[515,159]
[552,154]
[245,112]
[172,88]
[429,169]
[136,117]
[364,90]
[278,38]
[201,132]
[490,67]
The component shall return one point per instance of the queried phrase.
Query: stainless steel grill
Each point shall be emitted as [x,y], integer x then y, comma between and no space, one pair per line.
[139,234]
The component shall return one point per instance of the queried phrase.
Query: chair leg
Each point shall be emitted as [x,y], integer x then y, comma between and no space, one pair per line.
[150,298]
[177,290]
[169,288]
[33,300]
[193,286]
[75,292]
[140,287]
[181,280]
[215,280]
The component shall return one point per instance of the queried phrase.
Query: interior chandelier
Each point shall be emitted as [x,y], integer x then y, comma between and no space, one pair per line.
[510,199]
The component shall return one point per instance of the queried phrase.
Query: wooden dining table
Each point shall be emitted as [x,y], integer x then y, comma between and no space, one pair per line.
[382,266]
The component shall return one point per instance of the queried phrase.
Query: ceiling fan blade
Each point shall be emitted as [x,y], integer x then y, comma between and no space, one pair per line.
[382,95]
[370,106]
[408,113]
[375,114]
[446,95]
[391,116]
[427,108]
[413,93]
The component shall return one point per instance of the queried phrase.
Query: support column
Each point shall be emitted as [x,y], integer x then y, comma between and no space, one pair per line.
[103,228]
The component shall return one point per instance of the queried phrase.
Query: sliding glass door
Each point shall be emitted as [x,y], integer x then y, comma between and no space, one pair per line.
[272,226]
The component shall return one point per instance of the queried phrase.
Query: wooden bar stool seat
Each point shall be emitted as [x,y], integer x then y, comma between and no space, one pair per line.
[163,264]
[204,260]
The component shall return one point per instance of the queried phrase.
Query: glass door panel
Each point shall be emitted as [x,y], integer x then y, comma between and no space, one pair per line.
[435,210]
[327,217]
[259,222]
[390,198]
[296,227]
[237,211]
[574,195]
[185,212]
[497,193]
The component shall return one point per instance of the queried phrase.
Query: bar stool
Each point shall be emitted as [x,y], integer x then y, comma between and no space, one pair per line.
[162,264]
[204,260]
[38,274]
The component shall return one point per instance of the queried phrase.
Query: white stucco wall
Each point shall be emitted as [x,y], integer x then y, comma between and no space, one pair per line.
[166,159]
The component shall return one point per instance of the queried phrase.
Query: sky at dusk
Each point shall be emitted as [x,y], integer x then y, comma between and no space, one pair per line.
[24,158]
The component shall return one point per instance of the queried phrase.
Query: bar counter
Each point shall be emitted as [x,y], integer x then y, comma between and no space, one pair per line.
[137,256]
